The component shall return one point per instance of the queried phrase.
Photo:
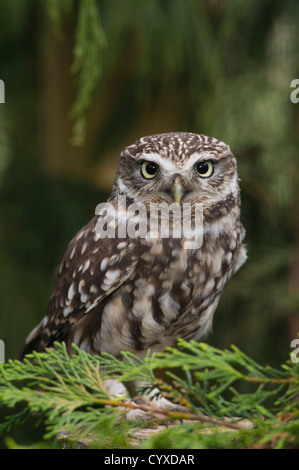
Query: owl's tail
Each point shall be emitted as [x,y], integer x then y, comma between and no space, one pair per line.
[34,342]
[28,348]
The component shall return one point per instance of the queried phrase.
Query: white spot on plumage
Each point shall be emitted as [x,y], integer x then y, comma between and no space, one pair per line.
[217,261]
[80,286]
[104,264]
[240,259]
[73,252]
[221,282]
[107,284]
[185,287]
[71,292]
[140,307]
[228,256]
[208,288]
[84,298]
[111,276]
[67,310]
[169,306]
[80,234]
[93,305]
[86,266]
[176,252]
[150,328]
[167,284]
[121,245]
[141,282]
[113,259]
[143,293]
[233,244]
[84,246]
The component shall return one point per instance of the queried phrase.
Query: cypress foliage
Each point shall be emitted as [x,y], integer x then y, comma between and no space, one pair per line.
[67,395]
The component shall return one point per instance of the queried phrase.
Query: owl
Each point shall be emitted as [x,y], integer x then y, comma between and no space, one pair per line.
[123,286]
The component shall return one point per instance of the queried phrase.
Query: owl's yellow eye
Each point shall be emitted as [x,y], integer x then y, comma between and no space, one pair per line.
[149,170]
[205,169]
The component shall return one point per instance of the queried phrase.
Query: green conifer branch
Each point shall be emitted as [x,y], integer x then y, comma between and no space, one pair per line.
[89,43]
[67,393]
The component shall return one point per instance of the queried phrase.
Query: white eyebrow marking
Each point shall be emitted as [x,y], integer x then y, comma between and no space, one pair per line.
[198,157]
[172,167]
[163,163]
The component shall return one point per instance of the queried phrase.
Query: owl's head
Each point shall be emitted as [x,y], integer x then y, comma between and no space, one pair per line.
[177,167]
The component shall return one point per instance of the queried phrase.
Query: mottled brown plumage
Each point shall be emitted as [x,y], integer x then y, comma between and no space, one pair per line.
[140,293]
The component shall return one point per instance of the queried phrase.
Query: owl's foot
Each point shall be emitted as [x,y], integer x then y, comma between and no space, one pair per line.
[154,416]
[151,407]
[154,408]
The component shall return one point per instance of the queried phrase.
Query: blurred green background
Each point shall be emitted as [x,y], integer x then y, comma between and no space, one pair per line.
[83,79]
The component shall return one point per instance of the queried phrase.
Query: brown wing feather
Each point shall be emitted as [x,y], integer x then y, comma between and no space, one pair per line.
[91,269]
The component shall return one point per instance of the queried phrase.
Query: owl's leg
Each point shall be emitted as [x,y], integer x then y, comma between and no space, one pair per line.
[115,389]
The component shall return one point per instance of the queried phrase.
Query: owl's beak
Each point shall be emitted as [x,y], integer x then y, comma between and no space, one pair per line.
[177,190]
